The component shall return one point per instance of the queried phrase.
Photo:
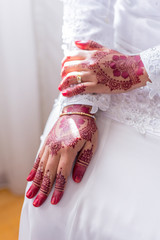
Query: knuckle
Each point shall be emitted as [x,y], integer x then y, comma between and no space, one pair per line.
[67,149]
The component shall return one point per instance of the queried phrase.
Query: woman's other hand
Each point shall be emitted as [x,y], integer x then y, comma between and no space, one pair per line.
[100,70]
[72,137]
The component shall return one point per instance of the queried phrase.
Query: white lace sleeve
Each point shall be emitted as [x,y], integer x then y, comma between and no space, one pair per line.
[90,20]
[151,61]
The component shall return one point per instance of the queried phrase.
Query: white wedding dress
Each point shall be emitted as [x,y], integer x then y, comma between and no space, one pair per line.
[119,196]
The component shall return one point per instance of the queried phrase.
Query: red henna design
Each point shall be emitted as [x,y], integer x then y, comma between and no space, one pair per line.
[88,45]
[55,147]
[124,67]
[82,164]
[52,141]
[66,83]
[59,188]
[93,45]
[86,127]
[36,164]
[80,88]
[87,131]
[46,183]
[61,136]
[77,108]
[85,157]
[33,171]
[39,176]
[60,181]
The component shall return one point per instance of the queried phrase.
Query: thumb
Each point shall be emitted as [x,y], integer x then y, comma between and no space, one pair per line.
[88,45]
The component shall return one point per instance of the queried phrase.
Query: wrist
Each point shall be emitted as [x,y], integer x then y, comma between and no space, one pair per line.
[77,108]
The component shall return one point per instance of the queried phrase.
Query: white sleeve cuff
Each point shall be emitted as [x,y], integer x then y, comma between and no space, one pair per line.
[151,61]
[96,101]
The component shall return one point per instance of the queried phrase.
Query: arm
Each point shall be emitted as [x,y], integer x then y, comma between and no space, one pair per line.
[62,144]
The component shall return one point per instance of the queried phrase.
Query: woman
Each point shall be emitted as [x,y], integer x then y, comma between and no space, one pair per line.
[118,73]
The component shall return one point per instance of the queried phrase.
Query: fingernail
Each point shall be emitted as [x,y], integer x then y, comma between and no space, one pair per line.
[59,88]
[31,175]
[39,200]
[64,93]
[77,179]
[83,44]
[78,173]
[29,194]
[57,195]
[32,191]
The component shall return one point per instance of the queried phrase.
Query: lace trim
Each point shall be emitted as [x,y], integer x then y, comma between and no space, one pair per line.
[100,101]
[136,109]
[151,61]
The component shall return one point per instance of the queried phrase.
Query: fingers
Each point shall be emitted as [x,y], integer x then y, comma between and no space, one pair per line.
[88,87]
[83,161]
[48,179]
[64,169]
[75,56]
[88,45]
[73,66]
[36,165]
[38,176]
[71,78]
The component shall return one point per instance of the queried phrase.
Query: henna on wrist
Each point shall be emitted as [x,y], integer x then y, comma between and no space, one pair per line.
[77,108]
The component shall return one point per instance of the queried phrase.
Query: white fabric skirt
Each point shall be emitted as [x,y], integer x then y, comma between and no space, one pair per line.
[118,198]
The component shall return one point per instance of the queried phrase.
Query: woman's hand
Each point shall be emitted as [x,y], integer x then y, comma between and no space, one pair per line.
[101,70]
[72,137]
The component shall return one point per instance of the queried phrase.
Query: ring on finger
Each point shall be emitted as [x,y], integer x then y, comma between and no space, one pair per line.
[79,79]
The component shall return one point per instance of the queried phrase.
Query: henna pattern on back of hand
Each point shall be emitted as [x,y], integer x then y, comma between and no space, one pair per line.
[119,73]
[71,130]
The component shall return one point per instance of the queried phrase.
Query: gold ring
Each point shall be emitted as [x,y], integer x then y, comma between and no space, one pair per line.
[79,79]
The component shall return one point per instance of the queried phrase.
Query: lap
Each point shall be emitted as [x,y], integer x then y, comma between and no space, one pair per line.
[117,199]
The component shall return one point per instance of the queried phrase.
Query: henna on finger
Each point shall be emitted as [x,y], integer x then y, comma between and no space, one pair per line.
[59,187]
[88,45]
[67,82]
[39,176]
[44,190]
[34,169]
[82,164]
[80,88]
[36,182]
